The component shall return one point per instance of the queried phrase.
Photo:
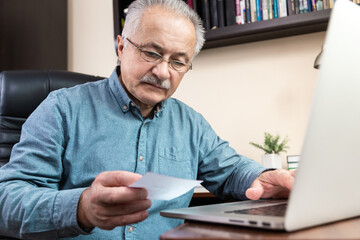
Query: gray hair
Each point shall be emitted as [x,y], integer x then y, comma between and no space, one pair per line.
[138,7]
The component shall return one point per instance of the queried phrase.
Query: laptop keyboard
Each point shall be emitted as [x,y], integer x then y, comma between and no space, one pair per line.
[273,210]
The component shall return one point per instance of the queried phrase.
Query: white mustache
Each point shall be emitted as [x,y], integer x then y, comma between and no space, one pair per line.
[165,84]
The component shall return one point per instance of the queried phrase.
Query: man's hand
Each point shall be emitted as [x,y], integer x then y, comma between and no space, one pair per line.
[275,184]
[109,202]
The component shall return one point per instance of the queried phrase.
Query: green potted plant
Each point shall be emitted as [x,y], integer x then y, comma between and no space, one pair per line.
[272,147]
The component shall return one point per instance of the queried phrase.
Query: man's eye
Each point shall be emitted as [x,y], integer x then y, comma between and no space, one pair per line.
[153,55]
[178,64]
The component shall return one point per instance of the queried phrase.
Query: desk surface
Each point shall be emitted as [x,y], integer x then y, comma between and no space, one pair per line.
[347,229]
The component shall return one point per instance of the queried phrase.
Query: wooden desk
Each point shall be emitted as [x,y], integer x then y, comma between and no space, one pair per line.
[202,196]
[201,192]
[347,229]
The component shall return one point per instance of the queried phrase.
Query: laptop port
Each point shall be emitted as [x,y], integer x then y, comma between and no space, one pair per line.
[252,222]
[236,220]
[266,224]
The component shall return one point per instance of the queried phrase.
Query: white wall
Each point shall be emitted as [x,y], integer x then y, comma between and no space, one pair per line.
[242,90]
[247,89]
[91,47]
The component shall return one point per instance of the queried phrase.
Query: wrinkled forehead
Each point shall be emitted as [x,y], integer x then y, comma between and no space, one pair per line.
[167,28]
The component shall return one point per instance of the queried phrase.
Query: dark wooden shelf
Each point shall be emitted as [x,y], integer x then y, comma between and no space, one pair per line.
[250,32]
[270,29]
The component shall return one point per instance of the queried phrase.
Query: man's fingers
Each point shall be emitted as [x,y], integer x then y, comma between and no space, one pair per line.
[255,191]
[117,178]
[277,184]
[278,178]
[113,222]
[112,188]
[282,195]
[120,195]
[286,179]
[109,202]
[124,209]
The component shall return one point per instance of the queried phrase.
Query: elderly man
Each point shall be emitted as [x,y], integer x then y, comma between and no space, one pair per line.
[68,176]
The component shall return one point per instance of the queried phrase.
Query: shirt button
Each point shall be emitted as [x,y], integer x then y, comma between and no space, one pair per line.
[131,228]
[125,107]
[132,104]
[141,158]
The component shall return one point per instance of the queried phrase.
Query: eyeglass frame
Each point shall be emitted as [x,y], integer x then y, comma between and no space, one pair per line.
[161,58]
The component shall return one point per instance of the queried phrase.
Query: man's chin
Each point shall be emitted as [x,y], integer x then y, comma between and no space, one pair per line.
[153,97]
[152,101]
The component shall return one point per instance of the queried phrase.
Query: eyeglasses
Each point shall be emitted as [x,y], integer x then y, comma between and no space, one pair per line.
[155,57]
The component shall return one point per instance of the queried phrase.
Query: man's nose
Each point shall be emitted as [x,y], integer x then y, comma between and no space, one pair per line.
[162,69]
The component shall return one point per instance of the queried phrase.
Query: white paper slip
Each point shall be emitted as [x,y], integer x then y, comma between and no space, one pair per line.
[162,187]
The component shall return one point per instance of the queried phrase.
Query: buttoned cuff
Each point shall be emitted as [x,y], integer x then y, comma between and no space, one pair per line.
[249,180]
[65,213]
[242,178]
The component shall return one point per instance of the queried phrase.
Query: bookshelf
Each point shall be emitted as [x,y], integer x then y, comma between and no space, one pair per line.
[269,29]
[251,32]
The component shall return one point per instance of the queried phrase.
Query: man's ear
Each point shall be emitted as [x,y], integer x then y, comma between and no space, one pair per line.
[120,42]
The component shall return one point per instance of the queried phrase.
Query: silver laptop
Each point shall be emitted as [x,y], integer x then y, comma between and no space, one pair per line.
[326,187]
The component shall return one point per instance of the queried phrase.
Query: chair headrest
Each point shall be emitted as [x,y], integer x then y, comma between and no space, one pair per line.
[21,91]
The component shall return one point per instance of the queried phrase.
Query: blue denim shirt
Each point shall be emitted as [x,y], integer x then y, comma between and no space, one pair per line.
[77,133]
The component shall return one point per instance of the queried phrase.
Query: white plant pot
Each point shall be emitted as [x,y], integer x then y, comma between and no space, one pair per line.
[272,161]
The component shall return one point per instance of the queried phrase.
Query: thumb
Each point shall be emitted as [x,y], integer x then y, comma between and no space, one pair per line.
[255,191]
[117,178]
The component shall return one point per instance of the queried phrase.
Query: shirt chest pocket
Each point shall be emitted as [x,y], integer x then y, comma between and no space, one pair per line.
[175,162]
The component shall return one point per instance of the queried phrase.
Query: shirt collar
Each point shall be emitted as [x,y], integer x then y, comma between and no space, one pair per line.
[118,91]
[122,97]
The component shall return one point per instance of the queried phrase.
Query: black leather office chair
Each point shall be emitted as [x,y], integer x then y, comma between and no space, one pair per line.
[20,93]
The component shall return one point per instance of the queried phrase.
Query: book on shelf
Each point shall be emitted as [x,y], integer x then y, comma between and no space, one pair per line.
[271,9]
[326,4]
[243,11]
[265,10]
[258,10]
[311,6]
[190,3]
[276,8]
[253,10]
[214,22]
[230,12]
[301,6]
[238,12]
[283,8]
[221,13]
[297,6]
[291,7]
[306,6]
[193,4]
[247,11]
[319,5]
[293,161]
[205,13]
[309,3]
